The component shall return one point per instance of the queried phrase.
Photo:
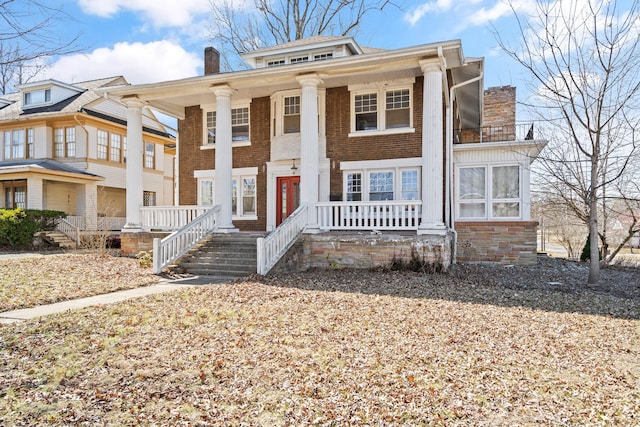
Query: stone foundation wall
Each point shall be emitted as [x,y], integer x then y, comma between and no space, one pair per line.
[364,250]
[133,243]
[497,242]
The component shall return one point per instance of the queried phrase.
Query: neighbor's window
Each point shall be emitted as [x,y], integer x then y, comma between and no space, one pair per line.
[149,155]
[18,144]
[15,196]
[149,198]
[115,148]
[103,145]
[64,142]
[292,114]
[37,97]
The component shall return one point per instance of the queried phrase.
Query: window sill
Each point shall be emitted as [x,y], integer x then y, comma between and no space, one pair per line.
[233,145]
[395,131]
[244,218]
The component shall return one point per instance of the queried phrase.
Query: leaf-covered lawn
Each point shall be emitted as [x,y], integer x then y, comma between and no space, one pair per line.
[27,282]
[258,353]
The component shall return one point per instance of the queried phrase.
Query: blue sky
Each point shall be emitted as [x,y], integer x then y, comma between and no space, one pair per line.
[155,40]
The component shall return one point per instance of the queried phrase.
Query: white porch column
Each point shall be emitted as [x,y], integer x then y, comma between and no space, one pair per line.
[309,147]
[432,151]
[87,204]
[224,158]
[135,150]
[35,193]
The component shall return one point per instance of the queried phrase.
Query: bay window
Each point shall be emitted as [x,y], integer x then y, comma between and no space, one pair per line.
[489,192]
[291,114]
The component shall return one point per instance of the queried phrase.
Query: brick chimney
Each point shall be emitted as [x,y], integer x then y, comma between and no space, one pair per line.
[500,107]
[211,61]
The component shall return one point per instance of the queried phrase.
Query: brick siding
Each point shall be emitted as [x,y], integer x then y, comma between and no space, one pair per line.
[497,242]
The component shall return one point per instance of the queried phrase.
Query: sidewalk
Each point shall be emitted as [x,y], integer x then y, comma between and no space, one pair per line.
[163,285]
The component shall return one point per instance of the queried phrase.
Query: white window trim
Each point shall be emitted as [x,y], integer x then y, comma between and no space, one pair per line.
[237,174]
[489,200]
[210,108]
[276,118]
[380,89]
[368,166]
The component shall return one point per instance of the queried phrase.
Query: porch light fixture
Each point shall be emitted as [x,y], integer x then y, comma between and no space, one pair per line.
[294,168]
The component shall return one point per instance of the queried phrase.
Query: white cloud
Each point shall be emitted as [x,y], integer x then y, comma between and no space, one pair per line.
[415,14]
[137,62]
[161,13]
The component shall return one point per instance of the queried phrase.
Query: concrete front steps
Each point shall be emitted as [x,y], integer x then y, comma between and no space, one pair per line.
[221,255]
[58,238]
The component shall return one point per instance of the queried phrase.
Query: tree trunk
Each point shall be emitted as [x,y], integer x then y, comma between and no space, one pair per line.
[594,255]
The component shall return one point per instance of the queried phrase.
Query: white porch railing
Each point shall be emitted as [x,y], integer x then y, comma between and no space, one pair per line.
[169,217]
[104,223]
[176,244]
[277,243]
[381,215]
[70,230]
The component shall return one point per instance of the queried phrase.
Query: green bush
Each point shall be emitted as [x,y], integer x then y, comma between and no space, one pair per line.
[17,226]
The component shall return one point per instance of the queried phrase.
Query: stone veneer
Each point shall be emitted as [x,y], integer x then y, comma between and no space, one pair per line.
[364,250]
[132,244]
[497,242]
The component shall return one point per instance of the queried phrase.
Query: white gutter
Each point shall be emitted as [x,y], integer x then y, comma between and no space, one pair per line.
[449,139]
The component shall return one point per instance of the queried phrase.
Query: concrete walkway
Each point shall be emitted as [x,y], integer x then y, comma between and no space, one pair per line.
[164,285]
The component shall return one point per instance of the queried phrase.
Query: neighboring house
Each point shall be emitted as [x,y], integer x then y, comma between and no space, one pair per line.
[64,147]
[382,145]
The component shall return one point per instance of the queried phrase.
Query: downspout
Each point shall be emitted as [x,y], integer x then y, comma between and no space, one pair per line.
[86,140]
[449,138]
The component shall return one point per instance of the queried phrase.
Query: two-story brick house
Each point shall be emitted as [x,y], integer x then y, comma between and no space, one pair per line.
[393,142]
[64,147]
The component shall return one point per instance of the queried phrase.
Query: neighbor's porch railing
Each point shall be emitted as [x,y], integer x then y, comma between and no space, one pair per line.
[277,243]
[69,229]
[169,217]
[381,215]
[108,223]
[176,244]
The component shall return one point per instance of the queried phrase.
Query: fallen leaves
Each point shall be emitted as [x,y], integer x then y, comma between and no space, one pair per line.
[27,282]
[331,348]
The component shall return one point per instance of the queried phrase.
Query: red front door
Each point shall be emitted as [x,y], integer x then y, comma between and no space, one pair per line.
[288,195]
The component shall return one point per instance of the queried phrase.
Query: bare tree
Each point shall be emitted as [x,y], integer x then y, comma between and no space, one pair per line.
[242,26]
[583,58]
[28,35]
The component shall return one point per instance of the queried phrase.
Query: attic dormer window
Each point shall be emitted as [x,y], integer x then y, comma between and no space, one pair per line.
[275,63]
[298,59]
[40,96]
[322,56]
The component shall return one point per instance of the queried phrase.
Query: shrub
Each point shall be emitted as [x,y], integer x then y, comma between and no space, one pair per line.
[17,226]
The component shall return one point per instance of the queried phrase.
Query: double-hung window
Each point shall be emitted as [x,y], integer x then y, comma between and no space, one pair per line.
[243,196]
[291,114]
[239,126]
[149,155]
[18,144]
[489,192]
[111,146]
[381,185]
[64,142]
[381,108]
